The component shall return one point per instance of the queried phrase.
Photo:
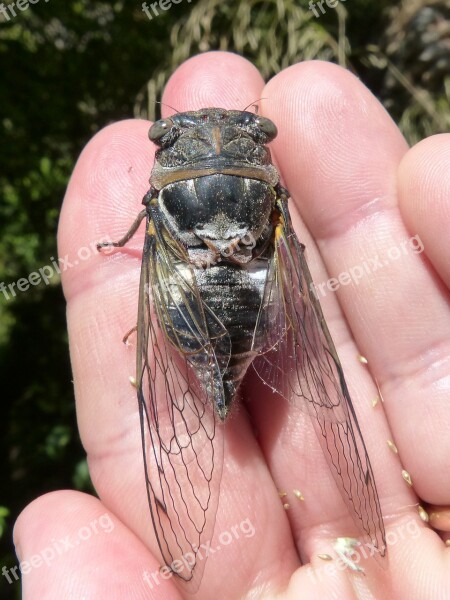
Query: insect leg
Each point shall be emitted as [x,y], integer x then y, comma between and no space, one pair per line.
[129,234]
[127,335]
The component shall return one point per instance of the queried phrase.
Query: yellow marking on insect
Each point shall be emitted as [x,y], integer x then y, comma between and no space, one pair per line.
[423,514]
[217,140]
[279,231]
[151,228]
[407,477]
[392,446]
[298,494]
[324,557]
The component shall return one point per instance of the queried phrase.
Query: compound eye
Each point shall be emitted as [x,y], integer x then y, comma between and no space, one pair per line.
[267,127]
[160,128]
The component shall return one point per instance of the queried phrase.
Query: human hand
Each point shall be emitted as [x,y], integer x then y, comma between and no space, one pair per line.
[361,194]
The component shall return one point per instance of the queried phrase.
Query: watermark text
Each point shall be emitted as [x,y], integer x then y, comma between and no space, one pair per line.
[161,4]
[9,11]
[315,6]
[185,563]
[59,547]
[356,273]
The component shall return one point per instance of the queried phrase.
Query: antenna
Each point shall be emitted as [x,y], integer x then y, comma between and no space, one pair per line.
[255,106]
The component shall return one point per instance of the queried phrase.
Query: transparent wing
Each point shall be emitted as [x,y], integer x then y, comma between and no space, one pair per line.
[305,369]
[181,437]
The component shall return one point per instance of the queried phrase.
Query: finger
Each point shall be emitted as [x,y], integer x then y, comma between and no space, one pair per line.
[213,79]
[424,192]
[424,185]
[343,152]
[70,545]
[103,199]
[338,152]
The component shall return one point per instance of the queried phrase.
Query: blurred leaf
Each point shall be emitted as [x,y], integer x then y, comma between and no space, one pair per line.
[4,513]
[81,477]
[57,441]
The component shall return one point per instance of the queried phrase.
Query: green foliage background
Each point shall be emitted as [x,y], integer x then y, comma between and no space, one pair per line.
[67,70]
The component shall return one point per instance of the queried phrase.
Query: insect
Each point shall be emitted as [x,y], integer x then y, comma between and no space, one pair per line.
[225,286]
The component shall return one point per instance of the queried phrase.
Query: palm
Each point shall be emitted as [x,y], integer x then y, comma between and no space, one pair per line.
[361,194]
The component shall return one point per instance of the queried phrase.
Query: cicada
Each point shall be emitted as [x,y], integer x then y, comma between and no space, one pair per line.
[224,287]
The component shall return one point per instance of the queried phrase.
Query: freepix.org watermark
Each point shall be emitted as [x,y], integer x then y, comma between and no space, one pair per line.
[245,528]
[56,548]
[369,266]
[56,267]
[315,6]
[161,4]
[357,552]
[9,11]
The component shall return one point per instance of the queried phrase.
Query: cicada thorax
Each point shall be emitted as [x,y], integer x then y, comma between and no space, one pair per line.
[224,222]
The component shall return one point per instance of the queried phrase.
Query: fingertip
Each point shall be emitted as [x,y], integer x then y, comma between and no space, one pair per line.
[337,147]
[70,545]
[33,522]
[213,79]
